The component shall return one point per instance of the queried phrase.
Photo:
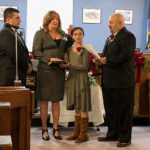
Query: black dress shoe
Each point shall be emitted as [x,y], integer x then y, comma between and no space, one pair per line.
[46,138]
[107,139]
[58,137]
[123,144]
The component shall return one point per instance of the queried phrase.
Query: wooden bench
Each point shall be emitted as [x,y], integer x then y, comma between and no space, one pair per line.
[5,118]
[20,116]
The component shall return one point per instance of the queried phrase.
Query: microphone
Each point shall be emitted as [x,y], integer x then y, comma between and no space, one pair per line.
[17,82]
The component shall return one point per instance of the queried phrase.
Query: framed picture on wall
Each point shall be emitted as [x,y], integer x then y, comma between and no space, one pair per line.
[128,15]
[91,15]
[2,8]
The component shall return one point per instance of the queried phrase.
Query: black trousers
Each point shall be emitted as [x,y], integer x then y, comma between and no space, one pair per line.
[119,107]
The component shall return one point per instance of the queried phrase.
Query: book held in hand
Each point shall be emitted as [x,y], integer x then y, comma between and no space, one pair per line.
[56,62]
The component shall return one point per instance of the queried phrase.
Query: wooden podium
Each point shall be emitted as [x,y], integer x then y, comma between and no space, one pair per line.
[15,119]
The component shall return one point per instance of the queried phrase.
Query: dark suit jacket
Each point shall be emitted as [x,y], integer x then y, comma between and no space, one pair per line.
[118,72]
[7,57]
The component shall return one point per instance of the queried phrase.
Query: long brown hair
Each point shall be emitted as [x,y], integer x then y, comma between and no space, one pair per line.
[48,18]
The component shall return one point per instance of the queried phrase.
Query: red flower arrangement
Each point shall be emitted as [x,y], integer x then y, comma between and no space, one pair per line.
[138,61]
[92,65]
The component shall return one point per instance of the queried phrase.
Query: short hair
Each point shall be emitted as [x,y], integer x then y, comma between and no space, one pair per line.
[76,28]
[50,15]
[8,13]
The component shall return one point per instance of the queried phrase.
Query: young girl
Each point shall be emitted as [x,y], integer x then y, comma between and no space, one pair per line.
[78,86]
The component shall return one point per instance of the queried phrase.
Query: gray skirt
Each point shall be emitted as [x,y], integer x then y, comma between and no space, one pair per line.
[50,84]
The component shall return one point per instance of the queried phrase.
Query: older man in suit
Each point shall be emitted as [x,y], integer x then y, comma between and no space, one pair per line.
[7,50]
[118,81]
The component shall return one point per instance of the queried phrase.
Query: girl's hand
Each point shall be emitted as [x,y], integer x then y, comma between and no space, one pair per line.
[69,29]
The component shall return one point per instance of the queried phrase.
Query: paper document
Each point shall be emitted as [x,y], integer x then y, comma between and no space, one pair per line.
[91,50]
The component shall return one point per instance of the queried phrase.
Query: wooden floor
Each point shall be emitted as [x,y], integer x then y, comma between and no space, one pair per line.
[140,140]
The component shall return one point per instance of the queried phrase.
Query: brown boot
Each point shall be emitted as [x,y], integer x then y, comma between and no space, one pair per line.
[76,132]
[83,137]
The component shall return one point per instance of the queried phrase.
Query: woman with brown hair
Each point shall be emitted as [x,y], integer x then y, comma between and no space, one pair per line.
[49,47]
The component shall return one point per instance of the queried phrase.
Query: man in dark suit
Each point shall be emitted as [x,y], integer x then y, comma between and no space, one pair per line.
[7,50]
[118,81]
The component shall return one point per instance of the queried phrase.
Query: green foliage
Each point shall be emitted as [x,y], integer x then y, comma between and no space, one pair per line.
[92,79]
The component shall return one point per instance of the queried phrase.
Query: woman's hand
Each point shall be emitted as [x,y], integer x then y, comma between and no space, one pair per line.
[55,59]
[62,65]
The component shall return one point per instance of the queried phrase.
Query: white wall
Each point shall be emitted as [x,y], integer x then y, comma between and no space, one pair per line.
[36,9]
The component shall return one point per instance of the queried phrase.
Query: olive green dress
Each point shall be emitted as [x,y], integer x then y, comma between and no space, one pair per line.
[78,86]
